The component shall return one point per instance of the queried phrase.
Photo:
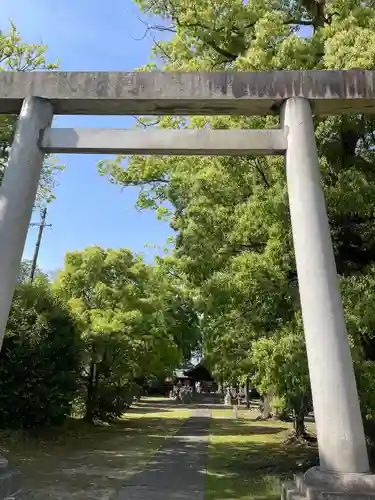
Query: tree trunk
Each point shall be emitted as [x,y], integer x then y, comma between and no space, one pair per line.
[92,387]
[222,390]
[266,410]
[247,399]
[299,423]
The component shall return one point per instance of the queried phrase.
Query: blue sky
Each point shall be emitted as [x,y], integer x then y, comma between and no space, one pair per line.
[88,36]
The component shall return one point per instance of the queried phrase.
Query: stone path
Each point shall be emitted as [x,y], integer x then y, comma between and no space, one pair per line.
[177,471]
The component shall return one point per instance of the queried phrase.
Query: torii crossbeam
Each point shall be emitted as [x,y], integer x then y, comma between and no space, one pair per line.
[158,93]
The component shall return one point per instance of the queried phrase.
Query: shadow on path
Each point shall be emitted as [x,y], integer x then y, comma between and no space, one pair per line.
[177,471]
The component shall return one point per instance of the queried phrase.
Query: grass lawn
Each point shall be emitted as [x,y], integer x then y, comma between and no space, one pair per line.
[81,461]
[248,459]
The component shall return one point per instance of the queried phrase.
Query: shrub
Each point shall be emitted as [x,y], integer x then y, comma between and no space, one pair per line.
[39,361]
[113,401]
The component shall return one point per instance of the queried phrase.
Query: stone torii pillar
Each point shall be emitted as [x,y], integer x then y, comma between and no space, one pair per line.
[17,195]
[344,465]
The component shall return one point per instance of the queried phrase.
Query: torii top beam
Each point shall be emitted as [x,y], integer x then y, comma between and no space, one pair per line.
[159,93]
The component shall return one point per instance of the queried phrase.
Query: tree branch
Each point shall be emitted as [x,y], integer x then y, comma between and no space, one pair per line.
[162,50]
[312,22]
[174,275]
[223,52]
[156,180]
[230,57]
[146,125]
[300,22]
[262,174]
[239,248]
[156,27]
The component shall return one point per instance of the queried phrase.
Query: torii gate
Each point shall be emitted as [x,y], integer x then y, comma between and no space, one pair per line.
[344,468]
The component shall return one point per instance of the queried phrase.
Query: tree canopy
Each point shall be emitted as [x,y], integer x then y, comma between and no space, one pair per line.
[40,359]
[229,287]
[134,322]
[17,55]
[233,241]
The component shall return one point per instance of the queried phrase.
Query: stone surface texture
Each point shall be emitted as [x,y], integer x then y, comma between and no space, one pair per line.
[158,93]
[177,471]
[320,485]
[10,484]
[164,142]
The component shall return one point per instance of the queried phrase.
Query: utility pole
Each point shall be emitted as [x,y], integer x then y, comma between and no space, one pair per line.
[42,224]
